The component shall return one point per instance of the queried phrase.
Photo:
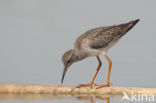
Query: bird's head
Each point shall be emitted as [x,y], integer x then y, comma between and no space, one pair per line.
[68,59]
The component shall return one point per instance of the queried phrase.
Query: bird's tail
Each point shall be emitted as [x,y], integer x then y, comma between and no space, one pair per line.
[128,26]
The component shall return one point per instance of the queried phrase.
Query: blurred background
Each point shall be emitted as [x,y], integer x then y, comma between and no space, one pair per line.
[34,34]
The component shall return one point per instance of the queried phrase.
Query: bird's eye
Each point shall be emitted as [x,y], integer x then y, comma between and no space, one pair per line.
[68,61]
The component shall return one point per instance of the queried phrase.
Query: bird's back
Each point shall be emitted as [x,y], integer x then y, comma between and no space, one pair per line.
[102,37]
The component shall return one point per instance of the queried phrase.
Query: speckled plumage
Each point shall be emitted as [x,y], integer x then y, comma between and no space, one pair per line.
[102,37]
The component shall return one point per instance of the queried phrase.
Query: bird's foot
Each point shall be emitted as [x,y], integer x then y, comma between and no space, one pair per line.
[86,85]
[105,85]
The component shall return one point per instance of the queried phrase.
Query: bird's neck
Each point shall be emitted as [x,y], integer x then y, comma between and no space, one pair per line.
[79,55]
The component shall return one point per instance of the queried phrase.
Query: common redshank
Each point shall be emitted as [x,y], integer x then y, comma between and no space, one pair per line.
[96,42]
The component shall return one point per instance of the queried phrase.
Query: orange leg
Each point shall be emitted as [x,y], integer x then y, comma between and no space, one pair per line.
[92,81]
[109,71]
[108,100]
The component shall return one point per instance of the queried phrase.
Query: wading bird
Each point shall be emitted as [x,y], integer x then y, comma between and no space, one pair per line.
[96,42]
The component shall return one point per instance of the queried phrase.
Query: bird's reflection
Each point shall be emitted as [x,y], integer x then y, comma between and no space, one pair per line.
[92,98]
[32,97]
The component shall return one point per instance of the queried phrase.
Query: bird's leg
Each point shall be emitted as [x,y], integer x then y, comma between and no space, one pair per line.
[92,81]
[109,71]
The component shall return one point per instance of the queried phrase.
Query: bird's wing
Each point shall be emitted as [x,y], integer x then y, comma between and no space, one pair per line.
[82,39]
[102,37]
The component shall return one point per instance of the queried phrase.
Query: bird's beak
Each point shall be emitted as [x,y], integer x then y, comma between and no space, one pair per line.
[64,72]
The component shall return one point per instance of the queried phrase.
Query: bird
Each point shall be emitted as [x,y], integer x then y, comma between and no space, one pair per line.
[93,43]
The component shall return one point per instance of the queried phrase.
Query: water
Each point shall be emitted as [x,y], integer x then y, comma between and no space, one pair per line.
[34,98]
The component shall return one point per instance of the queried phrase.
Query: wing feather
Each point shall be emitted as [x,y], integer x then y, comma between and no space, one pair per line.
[101,37]
[104,37]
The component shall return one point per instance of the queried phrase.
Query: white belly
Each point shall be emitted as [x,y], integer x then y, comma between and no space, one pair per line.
[96,52]
[110,45]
